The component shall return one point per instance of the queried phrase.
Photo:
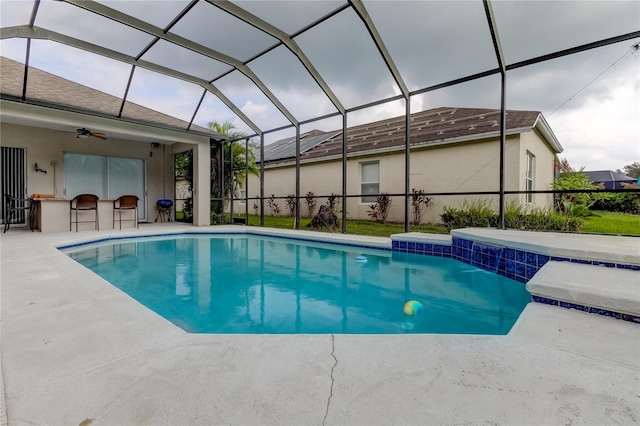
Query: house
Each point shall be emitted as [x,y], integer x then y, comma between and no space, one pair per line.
[609,179]
[46,148]
[453,150]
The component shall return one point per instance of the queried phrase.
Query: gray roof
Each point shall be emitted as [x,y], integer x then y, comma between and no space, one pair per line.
[286,148]
[436,126]
[52,90]
[608,176]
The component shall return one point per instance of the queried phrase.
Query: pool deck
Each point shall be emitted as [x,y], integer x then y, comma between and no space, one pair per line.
[75,349]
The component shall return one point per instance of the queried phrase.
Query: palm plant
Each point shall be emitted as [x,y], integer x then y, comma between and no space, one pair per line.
[235,177]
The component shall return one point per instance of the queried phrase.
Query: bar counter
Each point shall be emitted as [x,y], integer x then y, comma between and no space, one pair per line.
[52,215]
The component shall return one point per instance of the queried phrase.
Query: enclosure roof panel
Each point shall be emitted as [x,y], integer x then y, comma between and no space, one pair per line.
[275,65]
[63,92]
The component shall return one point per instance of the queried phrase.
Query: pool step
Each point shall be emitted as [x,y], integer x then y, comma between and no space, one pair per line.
[588,288]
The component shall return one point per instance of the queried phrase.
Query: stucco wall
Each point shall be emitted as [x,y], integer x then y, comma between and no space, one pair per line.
[543,170]
[465,167]
[42,146]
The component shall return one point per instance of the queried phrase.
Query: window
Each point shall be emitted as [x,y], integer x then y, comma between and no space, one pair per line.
[243,196]
[529,176]
[370,181]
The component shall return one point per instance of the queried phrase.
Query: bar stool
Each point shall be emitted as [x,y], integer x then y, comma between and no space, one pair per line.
[126,202]
[83,202]
[17,208]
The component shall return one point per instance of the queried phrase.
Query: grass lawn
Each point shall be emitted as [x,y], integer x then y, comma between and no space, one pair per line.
[599,223]
[612,223]
[356,227]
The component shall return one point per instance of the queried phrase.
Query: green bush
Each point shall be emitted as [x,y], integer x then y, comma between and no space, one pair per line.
[577,204]
[478,213]
[187,210]
[218,218]
[624,202]
[516,216]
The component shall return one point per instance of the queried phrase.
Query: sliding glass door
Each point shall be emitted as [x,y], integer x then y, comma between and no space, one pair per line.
[106,177]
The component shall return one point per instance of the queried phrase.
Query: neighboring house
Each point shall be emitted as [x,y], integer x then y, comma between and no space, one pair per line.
[609,179]
[452,150]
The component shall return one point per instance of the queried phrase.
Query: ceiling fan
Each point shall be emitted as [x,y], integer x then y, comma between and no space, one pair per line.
[85,133]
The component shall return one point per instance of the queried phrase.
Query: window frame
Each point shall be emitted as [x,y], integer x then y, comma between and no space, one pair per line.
[366,199]
[529,176]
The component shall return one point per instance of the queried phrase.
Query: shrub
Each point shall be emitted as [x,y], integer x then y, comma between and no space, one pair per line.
[333,201]
[575,204]
[310,200]
[325,218]
[187,210]
[419,201]
[384,205]
[373,211]
[517,216]
[273,206]
[625,202]
[218,218]
[291,204]
[478,213]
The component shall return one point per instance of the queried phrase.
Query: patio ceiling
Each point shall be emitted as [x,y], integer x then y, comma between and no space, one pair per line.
[273,65]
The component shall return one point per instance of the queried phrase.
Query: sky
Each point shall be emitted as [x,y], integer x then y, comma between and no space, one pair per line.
[591,100]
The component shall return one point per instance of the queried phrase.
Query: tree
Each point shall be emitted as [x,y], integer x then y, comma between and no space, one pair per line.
[184,170]
[235,179]
[226,128]
[631,170]
[562,165]
[574,204]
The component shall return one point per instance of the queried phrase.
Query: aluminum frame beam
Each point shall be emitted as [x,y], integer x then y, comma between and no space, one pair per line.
[495,38]
[362,12]
[140,25]
[42,34]
[287,41]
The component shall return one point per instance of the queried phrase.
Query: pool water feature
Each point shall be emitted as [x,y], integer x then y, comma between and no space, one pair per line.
[215,283]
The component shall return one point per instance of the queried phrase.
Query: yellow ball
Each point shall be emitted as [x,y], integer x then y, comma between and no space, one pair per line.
[412,308]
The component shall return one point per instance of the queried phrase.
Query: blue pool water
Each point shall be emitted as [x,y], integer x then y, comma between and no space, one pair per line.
[254,284]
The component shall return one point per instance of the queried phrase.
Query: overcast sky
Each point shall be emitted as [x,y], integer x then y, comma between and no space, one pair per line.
[598,120]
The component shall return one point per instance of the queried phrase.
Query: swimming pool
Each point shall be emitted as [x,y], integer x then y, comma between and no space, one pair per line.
[222,283]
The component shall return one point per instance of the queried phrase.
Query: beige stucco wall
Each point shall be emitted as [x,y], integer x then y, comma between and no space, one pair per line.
[467,167]
[43,146]
[543,170]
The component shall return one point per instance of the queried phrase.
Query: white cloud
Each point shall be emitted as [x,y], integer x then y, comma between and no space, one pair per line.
[604,133]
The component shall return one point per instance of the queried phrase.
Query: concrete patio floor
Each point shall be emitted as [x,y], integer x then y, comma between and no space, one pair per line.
[75,349]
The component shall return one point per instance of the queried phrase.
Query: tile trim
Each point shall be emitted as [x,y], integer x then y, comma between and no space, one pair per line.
[519,265]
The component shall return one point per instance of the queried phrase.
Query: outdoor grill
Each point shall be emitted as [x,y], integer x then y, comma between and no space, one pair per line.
[164,209]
